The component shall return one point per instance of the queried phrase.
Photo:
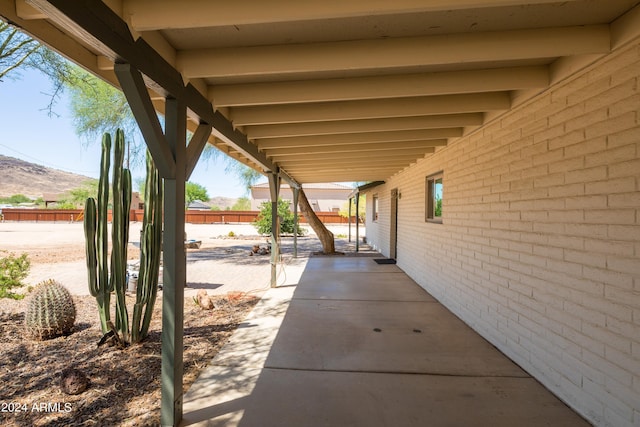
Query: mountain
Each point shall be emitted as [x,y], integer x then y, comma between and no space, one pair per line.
[222,202]
[21,177]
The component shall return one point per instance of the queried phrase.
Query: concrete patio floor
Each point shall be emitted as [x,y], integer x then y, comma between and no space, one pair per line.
[361,344]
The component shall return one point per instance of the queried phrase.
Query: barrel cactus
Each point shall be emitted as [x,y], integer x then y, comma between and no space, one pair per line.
[50,311]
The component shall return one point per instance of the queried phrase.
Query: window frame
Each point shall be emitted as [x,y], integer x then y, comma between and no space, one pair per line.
[430,197]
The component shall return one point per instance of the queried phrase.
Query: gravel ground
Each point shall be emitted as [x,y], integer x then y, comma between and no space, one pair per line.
[124,385]
[220,265]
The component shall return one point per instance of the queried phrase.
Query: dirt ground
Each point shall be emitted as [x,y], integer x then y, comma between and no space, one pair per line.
[124,383]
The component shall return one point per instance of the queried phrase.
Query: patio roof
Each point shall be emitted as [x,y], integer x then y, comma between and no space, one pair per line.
[315,91]
[334,91]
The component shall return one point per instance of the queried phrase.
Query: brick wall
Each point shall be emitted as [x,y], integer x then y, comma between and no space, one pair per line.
[540,246]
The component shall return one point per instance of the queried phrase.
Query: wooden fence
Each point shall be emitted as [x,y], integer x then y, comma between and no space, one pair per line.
[192,216]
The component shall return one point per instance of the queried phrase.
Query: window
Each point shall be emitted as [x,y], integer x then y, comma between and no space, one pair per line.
[375,208]
[434,198]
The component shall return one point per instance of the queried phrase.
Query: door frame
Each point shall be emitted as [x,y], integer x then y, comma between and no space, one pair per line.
[393,226]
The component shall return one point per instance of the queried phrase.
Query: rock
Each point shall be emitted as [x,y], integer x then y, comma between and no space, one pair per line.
[204,301]
[73,381]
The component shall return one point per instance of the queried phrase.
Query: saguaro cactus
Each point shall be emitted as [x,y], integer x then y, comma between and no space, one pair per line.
[96,237]
[103,280]
[150,245]
[120,234]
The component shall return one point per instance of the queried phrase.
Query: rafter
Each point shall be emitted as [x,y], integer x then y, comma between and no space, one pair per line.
[357,155]
[384,108]
[356,168]
[359,138]
[367,175]
[392,86]
[359,126]
[351,148]
[376,162]
[158,14]
[370,171]
[320,59]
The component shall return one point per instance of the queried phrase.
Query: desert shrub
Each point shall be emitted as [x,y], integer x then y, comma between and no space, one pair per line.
[12,271]
[16,199]
[263,222]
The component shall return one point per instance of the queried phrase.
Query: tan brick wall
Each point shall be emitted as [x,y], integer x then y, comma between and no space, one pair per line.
[540,246]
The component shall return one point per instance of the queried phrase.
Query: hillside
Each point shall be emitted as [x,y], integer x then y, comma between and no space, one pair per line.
[21,177]
[223,203]
[33,180]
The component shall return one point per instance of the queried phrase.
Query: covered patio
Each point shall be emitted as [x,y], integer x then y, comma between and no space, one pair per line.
[525,112]
[355,343]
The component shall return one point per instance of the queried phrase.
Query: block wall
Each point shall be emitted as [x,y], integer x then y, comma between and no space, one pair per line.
[539,250]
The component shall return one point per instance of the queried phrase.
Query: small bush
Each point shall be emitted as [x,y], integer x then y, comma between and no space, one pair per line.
[232,234]
[12,271]
[263,222]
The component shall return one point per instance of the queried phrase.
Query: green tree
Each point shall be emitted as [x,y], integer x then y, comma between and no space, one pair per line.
[193,191]
[98,108]
[15,199]
[20,52]
[245,175]
[242,204]
[263,222]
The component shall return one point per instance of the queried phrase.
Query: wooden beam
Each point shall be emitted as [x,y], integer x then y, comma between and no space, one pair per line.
[274,191]
[196,145]
[360,126]
[322,170]
[342,177]
[363,155]
[138,98]
[294,61]
[376,172]
[27,12]
[295,165]
[358,138]
[393,86]
[148,15]
[400,146]
[373,109]
[223,129]
[174,268]
[626,28]
[351,166]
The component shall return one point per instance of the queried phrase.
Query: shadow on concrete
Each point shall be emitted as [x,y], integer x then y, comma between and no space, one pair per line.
[361,344]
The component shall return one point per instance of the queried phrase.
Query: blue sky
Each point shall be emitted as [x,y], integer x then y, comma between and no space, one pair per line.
[27,132]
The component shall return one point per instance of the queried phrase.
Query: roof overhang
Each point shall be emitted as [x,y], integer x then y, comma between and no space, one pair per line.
[334,91]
